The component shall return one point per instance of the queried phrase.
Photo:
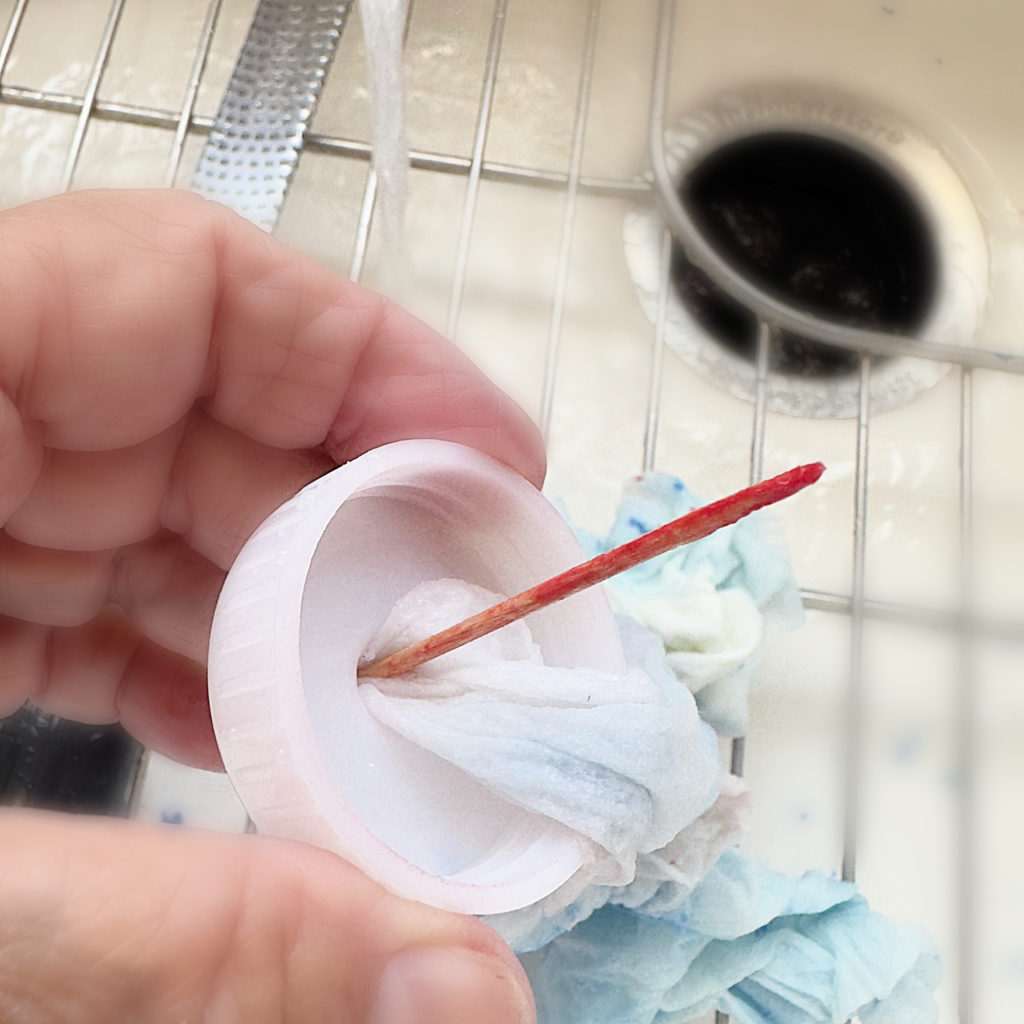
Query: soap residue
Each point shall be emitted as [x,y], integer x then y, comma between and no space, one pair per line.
[621,759]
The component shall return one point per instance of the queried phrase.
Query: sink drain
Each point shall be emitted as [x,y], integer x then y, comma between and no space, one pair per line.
[835,209]
[821,226]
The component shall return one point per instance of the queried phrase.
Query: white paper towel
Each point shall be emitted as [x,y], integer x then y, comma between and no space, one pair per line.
[621,759]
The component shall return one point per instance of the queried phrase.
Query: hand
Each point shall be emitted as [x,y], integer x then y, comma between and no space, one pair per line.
[168,376]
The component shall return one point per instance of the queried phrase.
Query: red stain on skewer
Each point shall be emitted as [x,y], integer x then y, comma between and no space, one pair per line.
[693,526]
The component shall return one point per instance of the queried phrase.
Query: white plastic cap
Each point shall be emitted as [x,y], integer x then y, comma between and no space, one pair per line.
[309,591]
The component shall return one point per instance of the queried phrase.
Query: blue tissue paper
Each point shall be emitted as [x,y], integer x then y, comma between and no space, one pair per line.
[762,946]
[712,602]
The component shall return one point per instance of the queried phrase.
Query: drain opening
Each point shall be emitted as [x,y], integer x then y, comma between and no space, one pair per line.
[819,225]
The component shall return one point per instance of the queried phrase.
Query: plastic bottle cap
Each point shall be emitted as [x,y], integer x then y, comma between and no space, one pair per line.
[309,591]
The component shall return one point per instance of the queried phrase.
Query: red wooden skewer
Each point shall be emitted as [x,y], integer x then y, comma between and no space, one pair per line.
[693,526]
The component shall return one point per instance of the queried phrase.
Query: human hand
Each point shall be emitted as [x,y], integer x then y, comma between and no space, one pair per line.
[168,376]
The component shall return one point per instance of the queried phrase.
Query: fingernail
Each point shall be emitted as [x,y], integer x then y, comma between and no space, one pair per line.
[435,985]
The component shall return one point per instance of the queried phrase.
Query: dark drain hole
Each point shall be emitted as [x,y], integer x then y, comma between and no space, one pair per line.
[817,224]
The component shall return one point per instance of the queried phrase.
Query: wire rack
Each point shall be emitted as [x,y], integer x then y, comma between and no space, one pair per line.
[603,383]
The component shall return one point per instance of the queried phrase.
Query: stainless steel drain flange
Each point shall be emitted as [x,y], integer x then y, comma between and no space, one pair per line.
[872,136]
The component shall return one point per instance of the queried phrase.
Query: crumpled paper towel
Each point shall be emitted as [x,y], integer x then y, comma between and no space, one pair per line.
[761,946]
[712,602]
[622,760]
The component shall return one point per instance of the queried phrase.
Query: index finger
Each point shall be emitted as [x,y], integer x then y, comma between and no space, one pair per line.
[120,309]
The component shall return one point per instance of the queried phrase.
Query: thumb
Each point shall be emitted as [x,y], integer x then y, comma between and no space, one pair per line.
[105,920]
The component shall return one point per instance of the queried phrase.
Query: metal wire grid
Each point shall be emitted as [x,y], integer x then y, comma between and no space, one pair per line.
[474,167]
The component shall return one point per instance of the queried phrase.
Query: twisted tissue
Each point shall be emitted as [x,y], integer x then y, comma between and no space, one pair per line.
[621,760]
[712,602]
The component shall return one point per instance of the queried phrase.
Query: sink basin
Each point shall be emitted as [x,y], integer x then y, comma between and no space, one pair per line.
[522,257]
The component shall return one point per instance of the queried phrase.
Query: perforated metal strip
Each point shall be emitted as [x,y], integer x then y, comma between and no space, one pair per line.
[258,133]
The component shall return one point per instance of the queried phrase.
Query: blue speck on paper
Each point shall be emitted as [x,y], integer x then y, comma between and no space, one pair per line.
[637,524]
[172,818]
